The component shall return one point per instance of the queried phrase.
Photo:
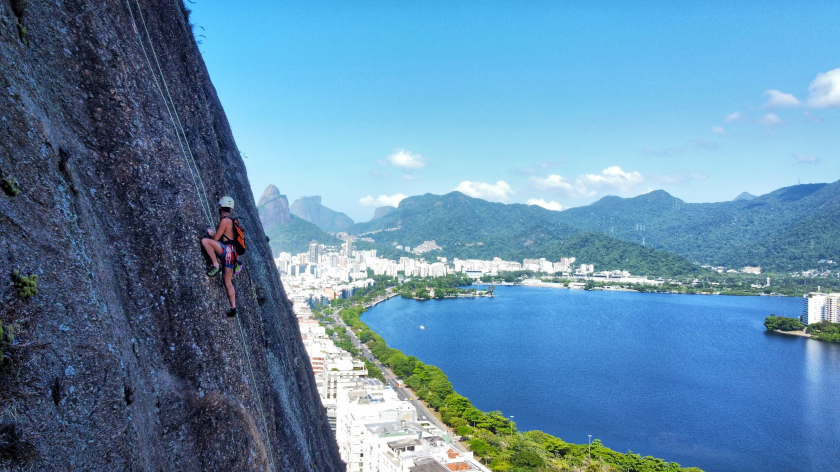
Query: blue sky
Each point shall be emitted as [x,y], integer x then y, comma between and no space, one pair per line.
[559,104]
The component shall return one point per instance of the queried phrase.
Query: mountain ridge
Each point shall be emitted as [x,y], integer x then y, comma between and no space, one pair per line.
[469,227]
[311,210]
[702,231]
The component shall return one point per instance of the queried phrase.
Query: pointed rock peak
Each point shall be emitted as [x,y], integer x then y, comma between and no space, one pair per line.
[744,196]
[271,193]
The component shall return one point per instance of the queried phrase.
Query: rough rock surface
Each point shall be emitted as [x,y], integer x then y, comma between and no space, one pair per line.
[124,360]
[273,208]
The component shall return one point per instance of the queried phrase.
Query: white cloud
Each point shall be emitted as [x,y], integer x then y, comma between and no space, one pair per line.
[805,159]
[735,117]
[613,178]
[408,177]
[770,119]
[554,206]
[780,99]
[588,185]
[561,185]
[824,91]
[498,192]
[718,130]
[406,160]
[382,200]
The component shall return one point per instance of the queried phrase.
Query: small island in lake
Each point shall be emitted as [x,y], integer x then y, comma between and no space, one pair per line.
[782,323]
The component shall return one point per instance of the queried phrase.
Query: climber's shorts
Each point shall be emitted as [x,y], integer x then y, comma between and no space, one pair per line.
[229,255]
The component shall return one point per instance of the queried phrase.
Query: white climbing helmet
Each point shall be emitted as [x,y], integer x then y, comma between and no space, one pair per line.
[226,202]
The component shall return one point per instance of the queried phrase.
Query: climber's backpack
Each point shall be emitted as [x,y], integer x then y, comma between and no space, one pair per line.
[238,240]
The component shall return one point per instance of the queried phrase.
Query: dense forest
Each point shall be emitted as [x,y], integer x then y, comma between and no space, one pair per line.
[788,229]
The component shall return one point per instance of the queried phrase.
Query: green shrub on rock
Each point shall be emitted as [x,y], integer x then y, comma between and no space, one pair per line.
[10,186]
[27,286]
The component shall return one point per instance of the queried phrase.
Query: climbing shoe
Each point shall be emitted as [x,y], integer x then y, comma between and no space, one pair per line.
[213,271]
[231,313]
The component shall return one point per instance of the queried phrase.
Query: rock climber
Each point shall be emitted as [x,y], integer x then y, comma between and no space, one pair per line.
[221,244]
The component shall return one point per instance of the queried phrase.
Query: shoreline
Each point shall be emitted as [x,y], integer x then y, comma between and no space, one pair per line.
[457,440]
[608,288]
[801,334]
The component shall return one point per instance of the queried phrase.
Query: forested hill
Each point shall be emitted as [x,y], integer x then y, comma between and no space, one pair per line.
[726,232]
[805,244]
[473,228]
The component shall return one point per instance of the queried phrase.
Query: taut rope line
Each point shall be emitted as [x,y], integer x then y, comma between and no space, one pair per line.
[193,168]
[198,183]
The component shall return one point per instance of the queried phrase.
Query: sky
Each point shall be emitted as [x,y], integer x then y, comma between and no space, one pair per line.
[549,103]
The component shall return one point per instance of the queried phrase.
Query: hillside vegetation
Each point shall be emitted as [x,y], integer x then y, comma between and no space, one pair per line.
[473,228]
[790,229]
[801,245]
[782,230]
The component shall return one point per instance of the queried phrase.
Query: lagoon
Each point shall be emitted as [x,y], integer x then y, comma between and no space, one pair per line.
[687,378]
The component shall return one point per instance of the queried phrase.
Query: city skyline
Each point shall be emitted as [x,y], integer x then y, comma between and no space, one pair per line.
[552,105]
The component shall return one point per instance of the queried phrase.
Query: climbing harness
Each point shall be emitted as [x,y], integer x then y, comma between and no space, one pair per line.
[198,183]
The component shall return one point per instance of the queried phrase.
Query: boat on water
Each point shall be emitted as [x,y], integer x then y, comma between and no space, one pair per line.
[422,327]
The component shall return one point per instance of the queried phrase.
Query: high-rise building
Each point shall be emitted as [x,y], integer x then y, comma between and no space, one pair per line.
[818,307]
[313,252]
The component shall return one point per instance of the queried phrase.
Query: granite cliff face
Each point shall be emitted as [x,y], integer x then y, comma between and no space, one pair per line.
[273,208]
[123,360]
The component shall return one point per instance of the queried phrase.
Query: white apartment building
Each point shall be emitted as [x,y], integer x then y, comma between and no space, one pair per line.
[377,432]
[817,306]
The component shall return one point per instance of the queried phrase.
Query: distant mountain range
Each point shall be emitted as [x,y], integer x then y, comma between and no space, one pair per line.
[288,232]
[778,231]
[311,210]
[792,228]
[473,228]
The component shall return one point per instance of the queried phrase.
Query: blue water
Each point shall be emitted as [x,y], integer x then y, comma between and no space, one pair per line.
[688,378]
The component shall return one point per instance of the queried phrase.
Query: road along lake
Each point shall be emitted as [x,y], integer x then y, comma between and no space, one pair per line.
[688,378]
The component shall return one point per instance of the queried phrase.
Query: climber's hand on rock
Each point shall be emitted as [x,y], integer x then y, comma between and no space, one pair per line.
[211,232]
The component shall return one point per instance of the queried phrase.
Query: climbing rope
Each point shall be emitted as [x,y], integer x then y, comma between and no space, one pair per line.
[187,153]
[198,183]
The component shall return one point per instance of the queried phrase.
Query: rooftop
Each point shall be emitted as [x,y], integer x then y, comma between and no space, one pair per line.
[428,465]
